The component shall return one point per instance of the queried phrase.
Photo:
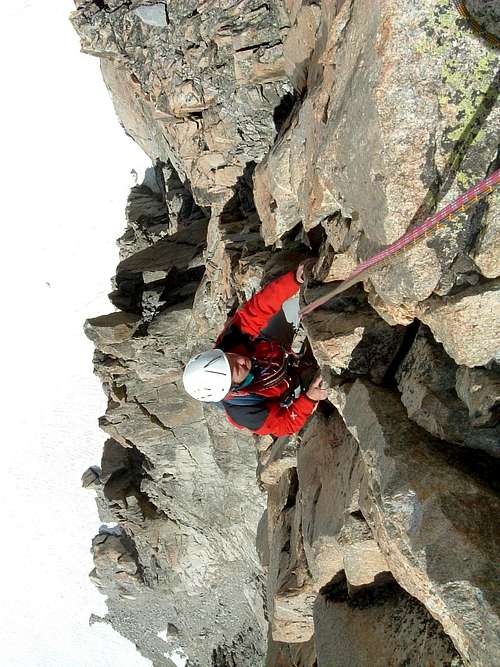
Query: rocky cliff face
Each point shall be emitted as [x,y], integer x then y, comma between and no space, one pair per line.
[277,131]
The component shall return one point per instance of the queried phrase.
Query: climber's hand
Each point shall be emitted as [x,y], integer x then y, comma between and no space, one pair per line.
[307,264]
[317,390]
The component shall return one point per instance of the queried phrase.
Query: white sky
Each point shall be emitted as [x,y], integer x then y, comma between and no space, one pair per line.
[65,167]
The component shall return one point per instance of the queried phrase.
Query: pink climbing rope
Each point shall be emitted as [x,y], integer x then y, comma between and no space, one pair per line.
[476,27]
[482,189]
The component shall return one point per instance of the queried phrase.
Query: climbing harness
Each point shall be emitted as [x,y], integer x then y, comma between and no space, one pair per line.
[269,370]
[482,189]
[277,365]
[476,28]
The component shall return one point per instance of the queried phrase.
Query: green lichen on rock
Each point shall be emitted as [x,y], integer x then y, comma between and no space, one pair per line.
[468,68]
[465,88]
[468,92]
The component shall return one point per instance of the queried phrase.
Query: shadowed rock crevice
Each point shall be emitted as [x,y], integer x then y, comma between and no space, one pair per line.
[284,110]
[400,629]
[241,205]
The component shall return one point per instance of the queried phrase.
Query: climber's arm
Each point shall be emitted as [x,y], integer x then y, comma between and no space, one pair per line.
[254,315]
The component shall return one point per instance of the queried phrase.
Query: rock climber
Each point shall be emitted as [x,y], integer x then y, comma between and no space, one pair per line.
[255,377]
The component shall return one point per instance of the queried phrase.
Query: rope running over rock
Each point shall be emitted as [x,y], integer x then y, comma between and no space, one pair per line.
[476,28]
[418,233]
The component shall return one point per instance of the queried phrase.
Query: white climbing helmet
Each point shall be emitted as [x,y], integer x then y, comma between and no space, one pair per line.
[207,377]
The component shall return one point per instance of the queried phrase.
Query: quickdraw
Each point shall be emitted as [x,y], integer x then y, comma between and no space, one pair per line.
[482,189]
[478,29]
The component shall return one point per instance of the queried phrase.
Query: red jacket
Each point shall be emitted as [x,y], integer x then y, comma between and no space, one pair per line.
[257,408]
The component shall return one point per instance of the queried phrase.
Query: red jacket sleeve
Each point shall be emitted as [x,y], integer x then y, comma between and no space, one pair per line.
[253,316]
[285,421]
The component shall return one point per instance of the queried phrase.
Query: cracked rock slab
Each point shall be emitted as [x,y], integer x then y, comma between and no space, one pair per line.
[384,627]
[467,323]
[427,379]
[427,515]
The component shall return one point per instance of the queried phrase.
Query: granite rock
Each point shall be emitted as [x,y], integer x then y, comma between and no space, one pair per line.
[426,513]
[343,128]
[427,379]
[398,116]
[479,389]
[379,628]
[467,323]
[193,83]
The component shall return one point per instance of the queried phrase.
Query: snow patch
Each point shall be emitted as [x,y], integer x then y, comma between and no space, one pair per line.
[178,657]
[164,635]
